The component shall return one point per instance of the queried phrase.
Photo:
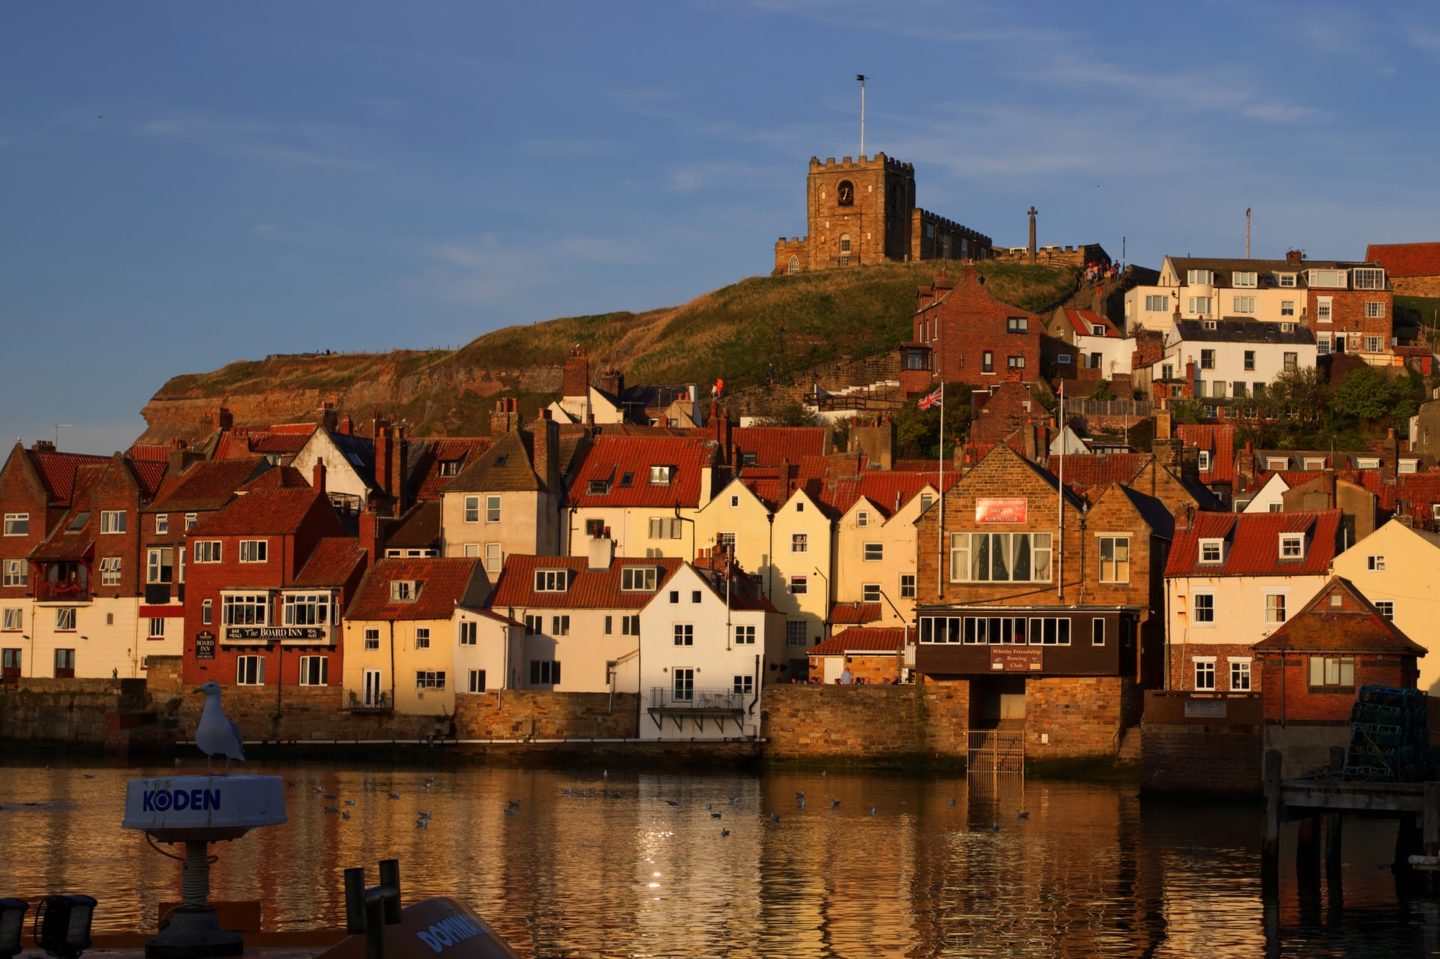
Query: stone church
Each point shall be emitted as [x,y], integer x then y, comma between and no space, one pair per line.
[863,211]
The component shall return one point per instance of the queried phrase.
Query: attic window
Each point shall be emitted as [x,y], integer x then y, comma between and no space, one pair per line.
[1276,463]
[661,475]
[1244,280]
[551,580]
[1097,329]
[1314,463]
[1204,461]
[1211,325]
[599,487]
[748,459]
[449,467]
[1292,545]
[78,523]
[1212,551]
[1336,599]
[1367,462]
[1287,327]
[500,460]
[1285,279]
[404,591]
[626,479]
[638,579]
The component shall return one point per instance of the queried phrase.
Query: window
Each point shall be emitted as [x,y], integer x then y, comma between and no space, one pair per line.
[1199,304]
[1097,632]
[1204,608]
[404,590]
[1243,304]
[1017,324]
[630,625]
[683,685]
[1385,607]
[422,637]
[1211,325]
[799,585]
[1274,608]
[472,509]
[544,672]
[638,579]
[254,550]
[1000,557]
[1244,280]
[925,500]
[744,685]
[1114,559]
[1322,344]
[661,475]
[1372,344]
[1217,388]
[551,580]
[1292,545]
[744,635]
[695,596]
[684,634]
[1249,360]
[450,467]
[1015,362]
[1240,675]
[874,552]
[64,663]
[1199,277]
[1367,278]
[314,670]
[674,596]
[844,243]
[65,619]
[250,671]
[492,509]
[468,634]
[245,609]
[1207,359]
[795,632]
[662,527]
[1285,279]
[14,619]
[1287,307]
[799,542]
[78,522]
[1212,551]
[1374,309]
[10,659]
[1375,563]
[17,524]
[1157,303]
[1203,461]
[1063,359]
[1333,672]
[14,573]
[862,519]
[110,571]
[987,362]
[870,592]
[1323,310]
[159,564]
[207,612]
[207,551]
[907,585]
[112,521]
[1204,673]
[494,558]
[560,625]
[1167,371]
[162,523]
[430,679]
[372,638]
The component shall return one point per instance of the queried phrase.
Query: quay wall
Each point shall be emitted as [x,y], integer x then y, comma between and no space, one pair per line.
[95,713]
[1198,744]
[922,721]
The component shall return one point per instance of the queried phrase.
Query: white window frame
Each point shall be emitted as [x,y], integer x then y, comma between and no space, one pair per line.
[1199,278]
[17,524]
[1241,675]
[797,634]
[1212,551]
[404,590]
[250,670]
[113,521]
[492,509]
[1292,546]
[245,609]
[1114,565]
[552,580]
[470,509]
[1243,305]
[1199,304]
[869,592]
[1367,278]
[475,682]
[162,524]
[14,574]
[907,585]
[799,542]
[208,551]
[639,579]
[14,619]
[1374,309]
[254,551]
[799,585]
[1286,280]
[964,548]
[1324,309]
[371,637]
[1275,609]
[110,567]
[1203,461]
[314,670]
[744,634]
[1157,303]
[155,628]
[422,637]
[874,553]
[1204,673]
[1245,280]
[1375,562]
[1207,607]
[429,679]
[308,609]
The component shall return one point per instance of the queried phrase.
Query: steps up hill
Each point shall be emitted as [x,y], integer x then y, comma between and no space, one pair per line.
[793,322]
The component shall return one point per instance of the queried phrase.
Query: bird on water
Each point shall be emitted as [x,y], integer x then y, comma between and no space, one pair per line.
[216,734]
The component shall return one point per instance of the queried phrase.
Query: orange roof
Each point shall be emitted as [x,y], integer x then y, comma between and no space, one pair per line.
[773,445]
[332,562]
[863,639]
[209,484]
[854,614]
[622,467]
[1219,440]
[1406,259]
[1339,619]
[1252,544]
[273,511]
[57,471]
[443,584]
[1085,321]
[584,588]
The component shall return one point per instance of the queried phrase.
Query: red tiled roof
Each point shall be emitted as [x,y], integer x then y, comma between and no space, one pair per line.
[862,639]
[428,454]
[1219,439]
[770,485]
[1406,259]
[1411,494]
[1252,544]
[1085,320]
[1351,626]
[610,458]
[280,440]
[273,511]
[888,490]
[206,485]
[1091,470]
[854,614]
[773,445]
[332,562]
[444,583]
[150,474]
[281,477]
[585,588]
[57,472]
[149,452]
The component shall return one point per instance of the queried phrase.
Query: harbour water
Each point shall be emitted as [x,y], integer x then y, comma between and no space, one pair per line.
[599,862]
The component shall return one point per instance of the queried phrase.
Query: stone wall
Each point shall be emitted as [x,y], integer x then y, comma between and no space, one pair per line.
[1068,717]
[515,714]
[876,723]
[1204,744]
[97,713]
[1415,285]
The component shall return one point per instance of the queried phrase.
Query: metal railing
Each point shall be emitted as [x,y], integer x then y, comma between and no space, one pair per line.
[665,697]
[995,752]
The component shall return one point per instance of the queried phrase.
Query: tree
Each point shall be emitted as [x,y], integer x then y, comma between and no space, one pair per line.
[790,413]
[1102,391]
[1299,394]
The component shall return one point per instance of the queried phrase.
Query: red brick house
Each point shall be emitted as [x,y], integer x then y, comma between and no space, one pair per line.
[250,616]
[1311,667]
[871,654]
[962,334]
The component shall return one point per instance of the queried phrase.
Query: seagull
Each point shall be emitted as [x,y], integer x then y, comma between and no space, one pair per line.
[714,815]
[216,735]
[512,807]
[394,795]
[1023,814]
[349,802]
[774,817]
[724,833]
[422,824]
[872,810]
[995,827]
[672,802]
[952,800]
[834,804]
[344,815]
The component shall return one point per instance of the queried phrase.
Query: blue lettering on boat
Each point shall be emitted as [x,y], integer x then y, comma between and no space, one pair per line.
[448,931]
[179,800]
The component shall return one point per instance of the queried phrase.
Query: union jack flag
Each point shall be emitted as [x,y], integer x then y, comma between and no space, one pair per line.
[932,399]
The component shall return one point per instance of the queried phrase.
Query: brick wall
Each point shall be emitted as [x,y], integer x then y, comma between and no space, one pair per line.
[522,714]
[909,722]
[1212,757]
[1292,700]
[1182,665]
[1069,717]
[77,711]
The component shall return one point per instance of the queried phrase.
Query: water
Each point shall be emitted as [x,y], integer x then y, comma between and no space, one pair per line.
[604,865]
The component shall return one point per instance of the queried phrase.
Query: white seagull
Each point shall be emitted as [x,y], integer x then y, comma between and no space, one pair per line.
[216,735]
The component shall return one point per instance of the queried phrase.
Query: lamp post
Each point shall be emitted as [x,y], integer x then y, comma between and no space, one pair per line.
[825,624]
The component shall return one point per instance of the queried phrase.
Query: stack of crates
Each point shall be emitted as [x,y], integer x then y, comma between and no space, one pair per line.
[1389,736]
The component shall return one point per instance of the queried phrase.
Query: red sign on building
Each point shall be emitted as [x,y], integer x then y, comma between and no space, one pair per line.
[1001,509]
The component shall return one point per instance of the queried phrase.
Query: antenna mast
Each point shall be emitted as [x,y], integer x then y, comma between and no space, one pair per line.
[1247,233]
[861,78]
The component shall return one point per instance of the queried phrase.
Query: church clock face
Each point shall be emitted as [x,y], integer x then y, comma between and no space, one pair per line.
[845,193]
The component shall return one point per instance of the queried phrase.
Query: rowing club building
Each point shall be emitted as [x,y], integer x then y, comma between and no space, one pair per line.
[1044,606]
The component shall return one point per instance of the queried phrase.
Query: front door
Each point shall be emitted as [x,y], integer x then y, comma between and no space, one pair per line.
[373,694]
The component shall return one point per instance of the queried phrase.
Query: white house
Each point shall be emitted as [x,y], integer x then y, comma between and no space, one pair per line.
[1234,358]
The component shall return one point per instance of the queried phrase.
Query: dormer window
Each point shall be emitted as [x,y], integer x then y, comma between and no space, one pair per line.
[1212,551]
[1314,463]
[551,580]
[1276,463]
[1285,279]
[1204,461]
[450,467]
[1367,462]
[1292,545]
[599,487]
[404,590]
[1097,329]
[626,479]
[1367,278]
[748,459]
[638,579]
[1244,280]
[661,475]
[1211,325]
[1199,277]
[1287,327]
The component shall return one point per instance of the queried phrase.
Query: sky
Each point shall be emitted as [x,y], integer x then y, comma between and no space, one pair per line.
[187,184]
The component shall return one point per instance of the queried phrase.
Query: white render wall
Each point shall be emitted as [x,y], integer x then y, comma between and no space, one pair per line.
[1230,363]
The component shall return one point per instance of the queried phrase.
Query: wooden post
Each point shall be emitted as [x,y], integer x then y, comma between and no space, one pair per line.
[1270,852]
[1407,841]
[1431,829]
[1333,860]
[1307,856]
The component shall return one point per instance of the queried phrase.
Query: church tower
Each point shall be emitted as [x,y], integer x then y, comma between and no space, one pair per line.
[858,211]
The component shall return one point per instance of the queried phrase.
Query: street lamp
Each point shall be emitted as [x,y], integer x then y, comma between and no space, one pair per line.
[825,625]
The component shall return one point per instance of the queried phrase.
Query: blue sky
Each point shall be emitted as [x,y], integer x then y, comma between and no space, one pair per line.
[187,184]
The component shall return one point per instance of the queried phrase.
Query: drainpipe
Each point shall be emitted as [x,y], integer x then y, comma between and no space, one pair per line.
[391,625]
[770,566]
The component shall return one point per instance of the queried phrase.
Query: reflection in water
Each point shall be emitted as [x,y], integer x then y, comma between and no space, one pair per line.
[696,864]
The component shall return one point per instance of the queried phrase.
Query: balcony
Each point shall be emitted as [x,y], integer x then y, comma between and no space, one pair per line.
[698,706]
[158,594]
[65,593]
[376,703]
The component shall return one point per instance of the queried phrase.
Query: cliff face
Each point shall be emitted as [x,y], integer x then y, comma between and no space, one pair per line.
[750,332]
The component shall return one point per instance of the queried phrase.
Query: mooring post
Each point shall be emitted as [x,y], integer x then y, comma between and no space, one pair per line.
[1270,851]
[1333,823]
[1307,856]
[1407,843]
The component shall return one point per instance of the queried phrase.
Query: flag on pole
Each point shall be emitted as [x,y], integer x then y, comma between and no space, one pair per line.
[933,398]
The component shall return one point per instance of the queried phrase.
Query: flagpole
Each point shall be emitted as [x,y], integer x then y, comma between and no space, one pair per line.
[940,464]
[1060,579]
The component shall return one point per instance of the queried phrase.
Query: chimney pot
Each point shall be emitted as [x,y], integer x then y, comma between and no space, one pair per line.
[318,478]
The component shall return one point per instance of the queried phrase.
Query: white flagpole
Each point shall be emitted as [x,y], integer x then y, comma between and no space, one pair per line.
[1060,553]
[940,524]
[861,78]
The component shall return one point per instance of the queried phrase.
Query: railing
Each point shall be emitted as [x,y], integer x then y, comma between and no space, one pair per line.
[995,752]
[664,697]
[61,593]
[380,704]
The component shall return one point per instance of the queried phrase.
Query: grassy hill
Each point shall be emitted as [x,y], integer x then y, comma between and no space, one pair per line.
[735,332]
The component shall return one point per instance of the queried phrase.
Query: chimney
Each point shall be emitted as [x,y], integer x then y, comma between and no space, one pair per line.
[602,551]
[1028,434]
[575,378]
[1032,211]
[1390,459]
[506,417]
[329,419]
[1162,425]
[876,441]
[384,453]
[223,419]
[1294,257]
[370,532]
[612,381]
[347,425]
[546,455]
[401,467]
[721,428]
[1329,489]
[1245,466]
[43,446]
[1167,453]
[1190,380]
[318,477]
[1189,515]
